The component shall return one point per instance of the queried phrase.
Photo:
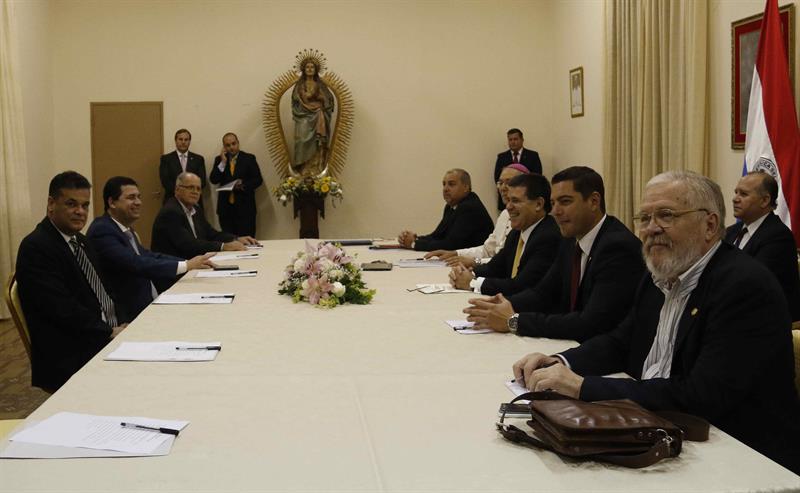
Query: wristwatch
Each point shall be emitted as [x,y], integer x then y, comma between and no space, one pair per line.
[513,322]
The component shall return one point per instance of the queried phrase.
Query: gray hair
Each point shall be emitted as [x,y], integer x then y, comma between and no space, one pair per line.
[181,179]
[701,193]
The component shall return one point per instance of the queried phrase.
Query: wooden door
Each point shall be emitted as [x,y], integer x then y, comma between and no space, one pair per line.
[128,140]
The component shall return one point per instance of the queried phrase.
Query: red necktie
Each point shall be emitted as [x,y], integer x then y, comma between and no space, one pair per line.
[576,277]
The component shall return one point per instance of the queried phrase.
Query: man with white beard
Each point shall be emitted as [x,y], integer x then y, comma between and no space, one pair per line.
[709,333]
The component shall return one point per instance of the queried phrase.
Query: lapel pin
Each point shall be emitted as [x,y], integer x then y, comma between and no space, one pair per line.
[694,311]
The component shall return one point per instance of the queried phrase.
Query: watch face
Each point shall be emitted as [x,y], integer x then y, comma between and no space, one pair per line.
[512,322]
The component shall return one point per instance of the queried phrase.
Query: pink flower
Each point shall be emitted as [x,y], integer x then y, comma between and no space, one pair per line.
[317,288]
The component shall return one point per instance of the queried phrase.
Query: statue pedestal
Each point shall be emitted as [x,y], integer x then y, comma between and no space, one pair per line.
[309,206]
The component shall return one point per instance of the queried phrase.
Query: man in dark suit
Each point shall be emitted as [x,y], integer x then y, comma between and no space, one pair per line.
[465,221]
[132,271]
[516,153]
[179,161]
[236,209]
[591,284]
[762,235]
[181,228]
[69,312]
[529,249]
[709,333]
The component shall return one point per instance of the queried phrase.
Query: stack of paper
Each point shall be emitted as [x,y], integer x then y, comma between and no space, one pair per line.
[438,288]
[233,256]
[194,299]
[420,262]
[84,435]
[464,327]
[226,273]
[165,351]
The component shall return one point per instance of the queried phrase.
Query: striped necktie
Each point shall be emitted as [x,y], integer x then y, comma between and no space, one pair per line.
[94,281]
[740,236]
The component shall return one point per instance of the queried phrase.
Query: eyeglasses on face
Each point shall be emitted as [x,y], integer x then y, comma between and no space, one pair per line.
[664,218]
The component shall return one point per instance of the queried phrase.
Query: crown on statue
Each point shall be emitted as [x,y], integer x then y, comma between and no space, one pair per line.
[309,55]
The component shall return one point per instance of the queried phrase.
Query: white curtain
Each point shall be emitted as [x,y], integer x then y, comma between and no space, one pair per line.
[656,101]
[14,191]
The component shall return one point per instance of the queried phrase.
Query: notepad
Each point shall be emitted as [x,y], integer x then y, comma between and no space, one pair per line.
[90,431]
[234,256]
[438,288]
[228,187]
[465,328]
[226,273]
[164,351]
[419,262]
[194,298]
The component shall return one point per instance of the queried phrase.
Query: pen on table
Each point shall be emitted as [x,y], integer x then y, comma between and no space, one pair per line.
[168,431]
[217,296]
[202,348]
[242,272]
[463,327]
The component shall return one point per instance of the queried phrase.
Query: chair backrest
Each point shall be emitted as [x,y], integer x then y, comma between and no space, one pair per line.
[12,300]
[796,338]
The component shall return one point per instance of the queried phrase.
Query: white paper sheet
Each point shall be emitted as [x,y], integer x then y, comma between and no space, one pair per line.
[419,262]
[228,187]
[438,289]
[99,432]
[254,247]
[465,328]
[164,351]
[516,388]
[226,273]
[233,256]
[194,299]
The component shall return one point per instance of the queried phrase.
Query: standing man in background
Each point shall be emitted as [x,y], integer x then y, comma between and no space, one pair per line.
[516,153]
[236,209]
[179,161]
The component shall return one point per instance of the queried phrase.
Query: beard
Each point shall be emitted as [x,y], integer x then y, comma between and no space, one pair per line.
[675,262]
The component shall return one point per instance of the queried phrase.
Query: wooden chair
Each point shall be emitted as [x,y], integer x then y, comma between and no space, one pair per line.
[8,425]
[12,300]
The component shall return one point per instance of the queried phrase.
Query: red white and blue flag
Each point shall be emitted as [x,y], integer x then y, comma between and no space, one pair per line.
[773,138]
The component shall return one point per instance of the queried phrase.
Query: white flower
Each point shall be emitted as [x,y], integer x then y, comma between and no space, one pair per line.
[304,285]
[283,198]
[300,264]
[335,274]
[325,264]
[338,289]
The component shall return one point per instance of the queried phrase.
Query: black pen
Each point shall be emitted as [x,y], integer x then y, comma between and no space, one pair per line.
[167,431]
[464,327]
[242,272]
[217,296]
[203,348]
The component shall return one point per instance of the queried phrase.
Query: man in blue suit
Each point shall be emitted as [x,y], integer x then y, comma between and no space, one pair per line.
[131,270]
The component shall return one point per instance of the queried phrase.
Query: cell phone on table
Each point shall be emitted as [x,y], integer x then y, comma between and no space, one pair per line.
[226,267]
[514,410]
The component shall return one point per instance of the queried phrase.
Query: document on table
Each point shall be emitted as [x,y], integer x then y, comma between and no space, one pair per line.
[516,388]
[259,246]
[89,431]
[438,288]
[194,299]
[234,256]
[420,262]
[228,187]
[464,327]
[226,273]
[165,351]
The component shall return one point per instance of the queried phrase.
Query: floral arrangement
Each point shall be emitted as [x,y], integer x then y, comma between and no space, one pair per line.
[293,186]
[324,275]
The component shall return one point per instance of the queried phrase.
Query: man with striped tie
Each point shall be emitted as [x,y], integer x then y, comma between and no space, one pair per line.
[69,312]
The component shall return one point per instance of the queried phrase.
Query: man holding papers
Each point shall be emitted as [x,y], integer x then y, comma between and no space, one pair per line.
[236,208]
[132,271]
[68,309]
[181,228]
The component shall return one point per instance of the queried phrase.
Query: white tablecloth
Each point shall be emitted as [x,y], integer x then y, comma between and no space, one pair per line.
[383,397]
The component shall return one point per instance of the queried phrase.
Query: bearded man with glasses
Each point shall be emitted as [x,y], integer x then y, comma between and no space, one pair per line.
[709,333]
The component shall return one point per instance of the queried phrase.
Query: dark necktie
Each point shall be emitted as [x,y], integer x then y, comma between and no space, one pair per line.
[94,281]
[575,280]
[132,240]
[516,157]
[739,236]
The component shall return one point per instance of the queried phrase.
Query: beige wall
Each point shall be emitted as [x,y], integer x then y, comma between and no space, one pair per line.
[436,84]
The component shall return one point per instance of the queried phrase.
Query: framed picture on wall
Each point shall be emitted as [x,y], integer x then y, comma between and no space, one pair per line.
[744,50]
[576,92]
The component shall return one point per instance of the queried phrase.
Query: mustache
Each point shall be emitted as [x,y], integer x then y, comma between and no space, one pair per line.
[657,240]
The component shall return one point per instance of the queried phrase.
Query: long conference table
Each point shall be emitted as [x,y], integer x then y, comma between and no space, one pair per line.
[382,397]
